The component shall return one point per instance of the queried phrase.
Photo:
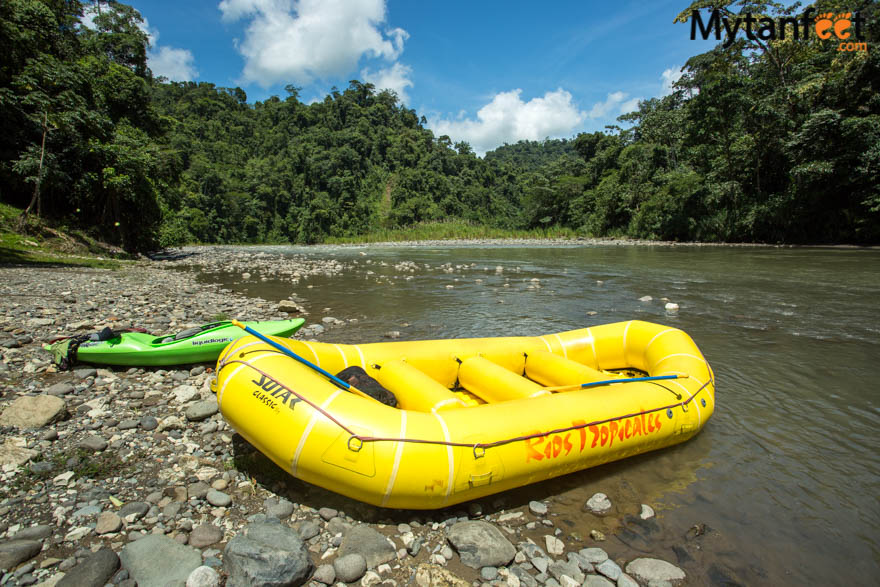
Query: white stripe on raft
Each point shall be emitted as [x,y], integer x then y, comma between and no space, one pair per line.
[225,383]
[562,344]
[449,456]
[317,359]
[656,336]
[242,347]
[625,332]
[308,430]
[544,340]
[451,400]
[397,454]
[237,369]
[361,355]
[593,346]
[341,352]
[701,359]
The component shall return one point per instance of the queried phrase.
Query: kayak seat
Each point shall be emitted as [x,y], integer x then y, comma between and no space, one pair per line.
[186,333]
[493,383]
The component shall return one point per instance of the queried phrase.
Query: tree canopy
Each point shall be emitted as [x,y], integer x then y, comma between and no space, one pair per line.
[762,140]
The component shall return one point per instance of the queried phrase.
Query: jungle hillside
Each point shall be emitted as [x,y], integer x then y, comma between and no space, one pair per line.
[768,141]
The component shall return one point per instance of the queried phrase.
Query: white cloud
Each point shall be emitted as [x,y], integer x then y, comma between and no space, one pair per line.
[394,78]
[508,119]
[669,77]
[175,64]
[301,40]
[615,104]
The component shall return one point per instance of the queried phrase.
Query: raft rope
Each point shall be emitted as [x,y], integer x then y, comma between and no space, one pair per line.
[479,446]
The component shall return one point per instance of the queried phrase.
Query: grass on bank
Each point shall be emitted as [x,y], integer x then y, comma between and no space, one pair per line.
[451,230]
[44,245]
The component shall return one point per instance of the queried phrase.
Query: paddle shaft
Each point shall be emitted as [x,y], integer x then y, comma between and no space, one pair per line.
[343,384]
[611,381]
[293,355]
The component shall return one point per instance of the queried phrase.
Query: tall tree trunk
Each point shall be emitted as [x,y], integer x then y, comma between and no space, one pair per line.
[35,200]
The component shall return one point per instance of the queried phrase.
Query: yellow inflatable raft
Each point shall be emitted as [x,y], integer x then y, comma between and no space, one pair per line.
[475,416]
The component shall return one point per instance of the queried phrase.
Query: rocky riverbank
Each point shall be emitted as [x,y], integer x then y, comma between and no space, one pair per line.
[131,477]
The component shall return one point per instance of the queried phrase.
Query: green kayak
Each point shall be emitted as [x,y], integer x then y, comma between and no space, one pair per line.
[193,345]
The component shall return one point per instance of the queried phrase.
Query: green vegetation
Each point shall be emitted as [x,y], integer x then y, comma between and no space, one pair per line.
[84,464]
[452,229]
[762,141]
[41,244]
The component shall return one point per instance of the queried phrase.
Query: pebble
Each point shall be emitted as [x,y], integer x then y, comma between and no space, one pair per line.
[94,444]
[325,574]
[218,498]
[108,522]
[205,535]
[598,504]
[350,567]
[554,545]
[538,508]
[609,568]
[203,576]
[202,410]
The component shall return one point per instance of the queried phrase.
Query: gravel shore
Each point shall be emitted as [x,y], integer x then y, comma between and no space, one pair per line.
[131,477]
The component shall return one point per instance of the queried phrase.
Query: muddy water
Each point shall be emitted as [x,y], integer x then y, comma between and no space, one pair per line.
[781,487]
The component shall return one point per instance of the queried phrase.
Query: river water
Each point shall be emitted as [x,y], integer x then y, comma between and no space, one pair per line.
[781,487]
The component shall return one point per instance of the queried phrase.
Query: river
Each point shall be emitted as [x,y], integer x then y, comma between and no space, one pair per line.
[781,487]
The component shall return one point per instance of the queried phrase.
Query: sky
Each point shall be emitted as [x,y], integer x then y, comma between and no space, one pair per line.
[483,71]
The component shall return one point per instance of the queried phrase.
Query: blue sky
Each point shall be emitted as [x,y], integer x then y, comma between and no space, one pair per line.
[486,72]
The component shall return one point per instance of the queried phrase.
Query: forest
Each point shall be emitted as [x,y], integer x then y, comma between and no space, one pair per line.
[768,141]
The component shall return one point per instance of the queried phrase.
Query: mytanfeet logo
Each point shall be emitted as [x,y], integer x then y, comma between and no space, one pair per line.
[845,28]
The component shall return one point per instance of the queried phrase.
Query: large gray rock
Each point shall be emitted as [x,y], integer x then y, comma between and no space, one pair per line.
[157,560]
[480,544]
[646,570]
[373,546]
[95,571]
[33,411]
[12,454]
[34,533]
[266,553]
[15,552]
